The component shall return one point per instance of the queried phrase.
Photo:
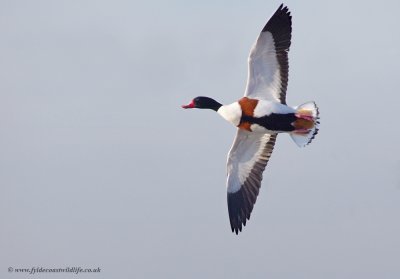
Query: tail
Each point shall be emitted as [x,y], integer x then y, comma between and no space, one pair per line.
[306,125]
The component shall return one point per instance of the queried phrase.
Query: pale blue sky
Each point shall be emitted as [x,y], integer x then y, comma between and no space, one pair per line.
[100,167]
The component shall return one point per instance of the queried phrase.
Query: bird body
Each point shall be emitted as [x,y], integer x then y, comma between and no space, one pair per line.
[260,116]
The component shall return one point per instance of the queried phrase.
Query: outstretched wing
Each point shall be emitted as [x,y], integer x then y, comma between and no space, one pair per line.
[247,159]
[268,60]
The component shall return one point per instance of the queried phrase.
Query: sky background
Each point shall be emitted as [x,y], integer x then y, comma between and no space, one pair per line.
[100,167]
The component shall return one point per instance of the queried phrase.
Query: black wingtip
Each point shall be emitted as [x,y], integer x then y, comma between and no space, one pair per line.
[283,8]
[236,230]
[240,207]
[281,16]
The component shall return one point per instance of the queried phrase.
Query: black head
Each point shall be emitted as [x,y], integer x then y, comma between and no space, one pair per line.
[203,103]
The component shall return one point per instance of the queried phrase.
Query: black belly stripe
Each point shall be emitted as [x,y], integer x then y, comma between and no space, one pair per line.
[273,122]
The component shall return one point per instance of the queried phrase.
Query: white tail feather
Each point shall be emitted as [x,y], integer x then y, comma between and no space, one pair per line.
[308,109]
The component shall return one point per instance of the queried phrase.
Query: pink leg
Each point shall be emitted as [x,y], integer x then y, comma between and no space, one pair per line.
[305,117]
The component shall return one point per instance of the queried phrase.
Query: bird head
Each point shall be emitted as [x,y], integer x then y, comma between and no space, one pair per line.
[203,103]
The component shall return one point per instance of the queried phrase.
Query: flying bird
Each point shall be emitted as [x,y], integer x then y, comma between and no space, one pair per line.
[260,116]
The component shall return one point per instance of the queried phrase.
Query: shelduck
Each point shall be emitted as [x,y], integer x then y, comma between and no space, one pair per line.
[260,116]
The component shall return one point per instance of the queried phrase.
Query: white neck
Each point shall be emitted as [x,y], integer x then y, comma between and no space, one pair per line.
[231,113]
